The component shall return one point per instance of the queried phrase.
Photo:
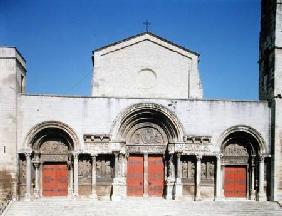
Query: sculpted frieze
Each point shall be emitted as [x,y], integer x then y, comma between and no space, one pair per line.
[199,149]
[146,148]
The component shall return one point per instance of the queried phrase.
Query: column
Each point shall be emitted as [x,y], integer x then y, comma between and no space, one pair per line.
[253,194]
[28,176]
[262,195]
[75,170]
[116,195]
[116,164]
[178,183]
[218,177]
[70,188]
[170,180]
[146,183]
[36,190]
[93,177]
[198,177]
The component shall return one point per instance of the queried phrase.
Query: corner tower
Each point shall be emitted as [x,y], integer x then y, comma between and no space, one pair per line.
[12,79]
[270,82]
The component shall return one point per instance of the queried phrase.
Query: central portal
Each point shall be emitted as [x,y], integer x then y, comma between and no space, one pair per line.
[136,173]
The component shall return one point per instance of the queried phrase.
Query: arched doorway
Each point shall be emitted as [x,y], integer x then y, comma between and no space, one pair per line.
[48,160]
[243,166]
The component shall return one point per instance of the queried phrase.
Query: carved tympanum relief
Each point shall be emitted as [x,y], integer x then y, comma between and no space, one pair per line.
[53,147]
[146,136]
[235,150]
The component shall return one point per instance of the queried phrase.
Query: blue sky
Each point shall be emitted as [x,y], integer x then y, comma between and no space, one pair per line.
[56,37]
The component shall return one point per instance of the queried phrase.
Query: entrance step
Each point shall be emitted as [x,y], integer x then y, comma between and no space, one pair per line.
[138,207]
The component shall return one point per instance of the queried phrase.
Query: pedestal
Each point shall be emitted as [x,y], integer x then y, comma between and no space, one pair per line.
[170,188]
[119,189]
[178,189]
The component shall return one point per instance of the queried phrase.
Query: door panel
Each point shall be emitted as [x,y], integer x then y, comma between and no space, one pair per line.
[235,181]
[55,180]
[155,175]
[135,176]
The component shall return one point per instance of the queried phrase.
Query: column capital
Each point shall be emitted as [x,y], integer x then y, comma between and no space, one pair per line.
[199,157]
[36,164]
[219,156]
[261,158]
[178,154]
[76,154]
[27,155]
[116,153]
[93,155]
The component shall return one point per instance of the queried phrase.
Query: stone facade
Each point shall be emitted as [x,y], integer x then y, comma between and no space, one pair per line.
[146,114]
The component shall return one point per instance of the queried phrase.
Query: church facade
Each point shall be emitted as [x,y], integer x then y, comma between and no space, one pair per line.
[146,130]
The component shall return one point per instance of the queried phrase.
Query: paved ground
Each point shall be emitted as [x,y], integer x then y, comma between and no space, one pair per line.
[147,207]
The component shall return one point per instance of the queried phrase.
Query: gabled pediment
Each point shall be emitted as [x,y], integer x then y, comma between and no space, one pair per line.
[143,37]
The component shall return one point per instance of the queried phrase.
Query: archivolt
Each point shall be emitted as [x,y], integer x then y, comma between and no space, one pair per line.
[147,113]
[33,138]
[244,129]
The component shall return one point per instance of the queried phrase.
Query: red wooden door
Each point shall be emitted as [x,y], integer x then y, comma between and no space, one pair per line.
[155,175]
[235,181]
[135,176]
[55,180]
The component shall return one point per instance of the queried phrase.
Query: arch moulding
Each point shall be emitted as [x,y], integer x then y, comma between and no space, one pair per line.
[246,129]
[173,121]
[30,138]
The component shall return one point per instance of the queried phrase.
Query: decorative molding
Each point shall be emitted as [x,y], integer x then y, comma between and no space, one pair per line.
[96,138]
[197,139]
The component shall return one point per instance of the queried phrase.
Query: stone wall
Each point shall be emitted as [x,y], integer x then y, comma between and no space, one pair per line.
[98,115]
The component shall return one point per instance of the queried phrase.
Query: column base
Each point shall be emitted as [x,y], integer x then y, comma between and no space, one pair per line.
[36,193]
[93,196]
[170,189]
[70,192]
[27,197]
[119,188]
[262,197]
[178,189]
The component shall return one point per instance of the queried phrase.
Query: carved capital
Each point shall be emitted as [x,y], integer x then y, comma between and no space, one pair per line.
[261,158]
[199,157]
[219,156]
[27,155]
[93,155]
[178,154]
[75,155]
[36,165]
[116,153]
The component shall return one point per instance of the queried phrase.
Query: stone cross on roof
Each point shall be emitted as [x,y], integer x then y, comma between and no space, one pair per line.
[147,23]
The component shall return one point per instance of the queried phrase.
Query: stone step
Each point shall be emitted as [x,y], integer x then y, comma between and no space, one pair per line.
[61,207]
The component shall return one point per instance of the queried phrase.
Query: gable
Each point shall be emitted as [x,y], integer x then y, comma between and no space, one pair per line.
[114,47]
